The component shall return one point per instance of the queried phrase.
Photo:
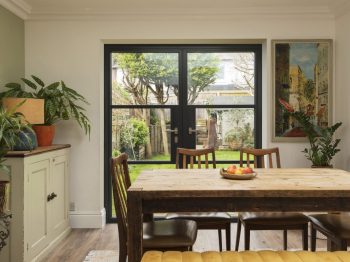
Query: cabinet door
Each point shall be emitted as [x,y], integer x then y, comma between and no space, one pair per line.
[35,197]
[58,206]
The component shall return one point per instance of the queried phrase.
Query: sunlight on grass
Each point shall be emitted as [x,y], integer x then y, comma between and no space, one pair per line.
[135,169]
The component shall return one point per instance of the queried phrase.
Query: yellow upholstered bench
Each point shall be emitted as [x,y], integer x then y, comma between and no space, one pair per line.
[246,256]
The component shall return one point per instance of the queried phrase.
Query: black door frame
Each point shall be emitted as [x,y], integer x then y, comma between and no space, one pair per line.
[176,117]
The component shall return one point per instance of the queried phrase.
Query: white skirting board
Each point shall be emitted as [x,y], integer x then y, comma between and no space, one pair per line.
[82,219]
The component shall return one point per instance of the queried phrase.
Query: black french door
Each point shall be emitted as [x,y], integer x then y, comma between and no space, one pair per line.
[160,97]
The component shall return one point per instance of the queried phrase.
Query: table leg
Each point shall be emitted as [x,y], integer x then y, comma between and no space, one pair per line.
[135,221]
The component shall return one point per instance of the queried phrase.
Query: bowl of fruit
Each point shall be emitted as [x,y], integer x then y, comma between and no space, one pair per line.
[240,173]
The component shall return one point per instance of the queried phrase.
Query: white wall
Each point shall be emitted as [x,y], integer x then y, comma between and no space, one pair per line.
[11,47]
[342,94]
[73,51]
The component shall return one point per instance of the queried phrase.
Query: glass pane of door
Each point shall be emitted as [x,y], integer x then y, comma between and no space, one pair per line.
[143,133]
[225,129]
[220,78]
[145,78]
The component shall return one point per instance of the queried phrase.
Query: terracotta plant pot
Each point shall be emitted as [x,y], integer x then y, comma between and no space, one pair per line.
[44,134]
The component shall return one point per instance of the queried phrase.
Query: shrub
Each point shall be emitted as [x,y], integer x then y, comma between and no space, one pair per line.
[134,134]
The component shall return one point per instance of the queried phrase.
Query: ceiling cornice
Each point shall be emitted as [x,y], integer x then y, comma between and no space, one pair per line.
[219,14]
[22,9]
[18,7]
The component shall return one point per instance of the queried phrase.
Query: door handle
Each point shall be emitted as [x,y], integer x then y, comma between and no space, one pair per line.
[190,131]
[175,131]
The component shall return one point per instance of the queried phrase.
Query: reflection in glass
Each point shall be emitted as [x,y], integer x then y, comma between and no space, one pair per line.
[220,78]
[145,78]
[141,133]
[225,129]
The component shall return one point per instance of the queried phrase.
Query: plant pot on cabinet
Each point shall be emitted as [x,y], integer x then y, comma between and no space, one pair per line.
[27,140]
[45,134]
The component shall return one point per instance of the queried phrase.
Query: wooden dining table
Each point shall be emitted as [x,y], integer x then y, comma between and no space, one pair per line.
[192,190]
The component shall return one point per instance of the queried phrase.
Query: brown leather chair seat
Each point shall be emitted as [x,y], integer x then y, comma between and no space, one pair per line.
[336,225]
[200,216]
[273,218]
[169,233]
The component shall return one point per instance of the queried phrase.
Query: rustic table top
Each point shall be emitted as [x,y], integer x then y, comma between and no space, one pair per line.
[274,182]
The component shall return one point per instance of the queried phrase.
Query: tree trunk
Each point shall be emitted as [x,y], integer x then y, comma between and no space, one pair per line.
[146,117]
[164,132]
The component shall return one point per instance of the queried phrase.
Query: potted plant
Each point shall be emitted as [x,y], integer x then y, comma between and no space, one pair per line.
[11,126]
[61,103]
[323,146]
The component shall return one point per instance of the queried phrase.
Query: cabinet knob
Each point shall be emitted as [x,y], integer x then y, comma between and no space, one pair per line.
[51,196]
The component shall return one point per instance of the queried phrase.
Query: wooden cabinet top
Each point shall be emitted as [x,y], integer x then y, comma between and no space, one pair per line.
[36,151]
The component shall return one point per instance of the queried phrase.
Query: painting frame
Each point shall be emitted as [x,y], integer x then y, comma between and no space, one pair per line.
[277,85]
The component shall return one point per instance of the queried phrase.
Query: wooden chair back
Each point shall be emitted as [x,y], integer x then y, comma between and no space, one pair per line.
[259,155]
[195,154]
[120,183]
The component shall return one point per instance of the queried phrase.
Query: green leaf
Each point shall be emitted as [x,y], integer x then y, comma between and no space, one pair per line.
[29,83]
[13,85]
[38,81]
[53,86]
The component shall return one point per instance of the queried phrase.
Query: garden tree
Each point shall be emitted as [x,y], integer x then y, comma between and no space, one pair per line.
[244,63]
[243,131]
[134,133]
[202,72]
[149,74]
[123,97]
[240,116]
[153,78]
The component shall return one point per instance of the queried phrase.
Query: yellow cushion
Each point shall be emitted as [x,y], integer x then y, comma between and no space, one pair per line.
[246,256]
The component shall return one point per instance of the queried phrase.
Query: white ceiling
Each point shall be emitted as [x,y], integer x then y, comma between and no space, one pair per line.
[99,7]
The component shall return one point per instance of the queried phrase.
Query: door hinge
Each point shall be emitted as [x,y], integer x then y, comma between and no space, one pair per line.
[27,246]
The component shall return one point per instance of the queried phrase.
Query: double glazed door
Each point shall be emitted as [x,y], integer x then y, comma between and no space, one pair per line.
[160,97]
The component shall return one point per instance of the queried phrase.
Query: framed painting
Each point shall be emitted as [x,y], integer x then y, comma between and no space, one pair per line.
[301,76]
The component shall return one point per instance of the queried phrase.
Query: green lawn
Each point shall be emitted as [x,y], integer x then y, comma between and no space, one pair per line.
[135,169]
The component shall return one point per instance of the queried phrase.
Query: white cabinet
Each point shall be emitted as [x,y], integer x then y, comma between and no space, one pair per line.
[39,202]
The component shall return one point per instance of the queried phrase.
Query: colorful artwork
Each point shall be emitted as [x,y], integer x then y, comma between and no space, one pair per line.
[302,77]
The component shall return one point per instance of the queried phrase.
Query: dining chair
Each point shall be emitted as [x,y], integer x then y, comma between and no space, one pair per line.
[336,227]
[205,220]
[157,235]
[268,220]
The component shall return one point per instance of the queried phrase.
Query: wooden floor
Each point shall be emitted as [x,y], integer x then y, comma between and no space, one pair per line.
[80,241]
